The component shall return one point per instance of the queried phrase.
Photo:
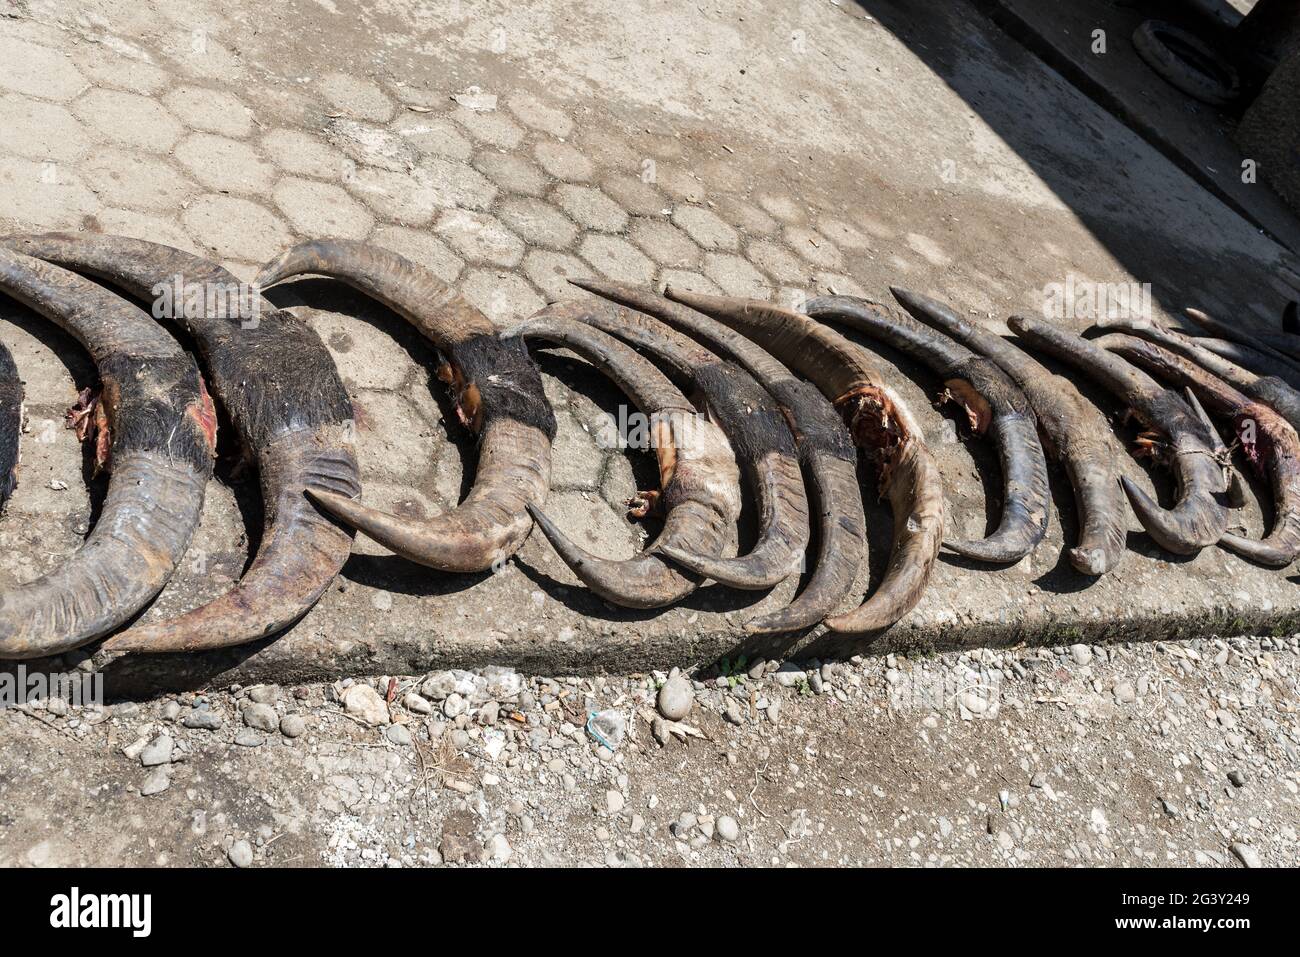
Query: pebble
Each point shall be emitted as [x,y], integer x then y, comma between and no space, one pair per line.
[727,829]
[261,717]
[731,711]
[248,738]
[156,781]
[499,849]
[613,801]
[1125,693]
[1238,778]
[789,675]
[170,711]
[676,698]
[263,694]
[659,730]
[399,734]
[363,701]
[417,704]
[1247,855]
[1081,654]
[292,725]
[158,751]
[240,854]
[203,720]
[454,706]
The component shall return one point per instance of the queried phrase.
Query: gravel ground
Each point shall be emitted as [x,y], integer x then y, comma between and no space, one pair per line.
[1159,754]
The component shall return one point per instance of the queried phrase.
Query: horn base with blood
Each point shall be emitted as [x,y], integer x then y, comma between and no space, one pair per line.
[280,387]
[162,433]
[880,424]
[823,443]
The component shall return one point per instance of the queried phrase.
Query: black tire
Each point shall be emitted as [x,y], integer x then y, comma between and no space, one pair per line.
[1187,63]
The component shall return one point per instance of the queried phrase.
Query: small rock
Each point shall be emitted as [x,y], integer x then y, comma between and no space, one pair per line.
[417,704]
[454,706]
[1081,654]
[240,854]
[727,829]
[789,675]
[170,711]
[659,730]
[613,801]
[1125,693]
[292,726]
[156,781]
[263,694]
[399,735]
[203,720]
[1247,855]
[248,738]
[731,711]
[499,849]
[675,698]
[364,702]
[261,717]
[158,751]
[1238,778]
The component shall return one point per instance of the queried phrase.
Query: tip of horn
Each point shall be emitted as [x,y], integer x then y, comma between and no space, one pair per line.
[275,271]
[1090,561]
[1262,552]
[749,573]
[994,550]
[599,287]
[1156,520]
[572,555]
[909,298]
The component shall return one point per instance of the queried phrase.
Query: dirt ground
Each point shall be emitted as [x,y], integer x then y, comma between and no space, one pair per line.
[756,149]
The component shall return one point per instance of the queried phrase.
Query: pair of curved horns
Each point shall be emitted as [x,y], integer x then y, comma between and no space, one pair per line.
[699,481]
[993,403]
[277,382]
[823,444]
[879,422]
[498,394]
[1197,520]
[159,448]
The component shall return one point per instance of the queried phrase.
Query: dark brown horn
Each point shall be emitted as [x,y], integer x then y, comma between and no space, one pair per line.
[1269,442]
[1261,386]
[1268,364]
[282,392]
[824,447]
[1278,344]
[759,436]
[1073,426]
[699,481]
[11,424]
[992,402]
[1198,519]
[879,422]
[498,393]
[161,433]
